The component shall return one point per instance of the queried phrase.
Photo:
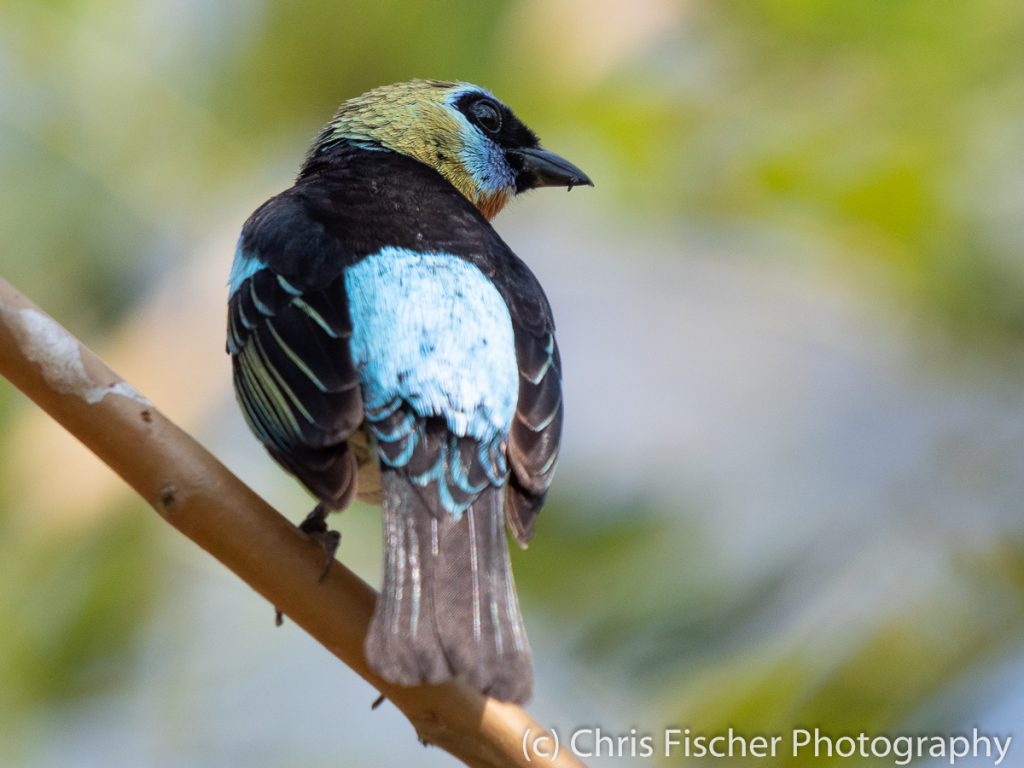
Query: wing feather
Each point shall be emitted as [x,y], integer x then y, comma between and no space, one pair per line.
[536,431]
[293,372]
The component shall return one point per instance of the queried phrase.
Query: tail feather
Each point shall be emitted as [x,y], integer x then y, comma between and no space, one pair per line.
[448,607]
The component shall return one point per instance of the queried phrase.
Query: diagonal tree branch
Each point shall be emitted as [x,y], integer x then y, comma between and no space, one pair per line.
[196,494]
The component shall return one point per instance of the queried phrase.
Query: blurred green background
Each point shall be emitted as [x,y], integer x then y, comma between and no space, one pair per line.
[792,318]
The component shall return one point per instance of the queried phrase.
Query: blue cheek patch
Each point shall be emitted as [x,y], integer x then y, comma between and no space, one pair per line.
[243,267]
[485,162]
[431,329]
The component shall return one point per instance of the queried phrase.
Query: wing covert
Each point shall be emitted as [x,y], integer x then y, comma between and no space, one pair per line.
[295,379]
[535,435]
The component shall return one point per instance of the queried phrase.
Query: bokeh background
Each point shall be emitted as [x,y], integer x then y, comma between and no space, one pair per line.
[792,319]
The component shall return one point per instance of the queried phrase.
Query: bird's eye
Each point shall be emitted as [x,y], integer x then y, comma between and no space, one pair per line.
[486,115]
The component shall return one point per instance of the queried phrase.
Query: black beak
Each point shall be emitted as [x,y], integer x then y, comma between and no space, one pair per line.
[537,167]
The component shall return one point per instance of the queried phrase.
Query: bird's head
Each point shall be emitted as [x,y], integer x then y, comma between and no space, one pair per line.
[460,130]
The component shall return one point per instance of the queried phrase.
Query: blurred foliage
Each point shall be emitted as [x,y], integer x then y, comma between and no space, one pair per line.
[874,682]
[71,601]
[883,137]
[888,130]
[889,126]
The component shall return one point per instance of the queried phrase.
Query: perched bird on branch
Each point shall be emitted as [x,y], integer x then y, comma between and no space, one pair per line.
[387,343]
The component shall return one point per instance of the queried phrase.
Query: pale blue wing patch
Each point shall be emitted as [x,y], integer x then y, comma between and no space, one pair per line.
[431,329]
[243,267]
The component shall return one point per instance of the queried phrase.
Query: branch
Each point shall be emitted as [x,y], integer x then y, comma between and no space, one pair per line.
[196,494]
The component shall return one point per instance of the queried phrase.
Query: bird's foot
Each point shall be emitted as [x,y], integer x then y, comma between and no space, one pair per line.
[315,526]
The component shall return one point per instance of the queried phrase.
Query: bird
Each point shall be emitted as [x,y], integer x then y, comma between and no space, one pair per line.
[387,344]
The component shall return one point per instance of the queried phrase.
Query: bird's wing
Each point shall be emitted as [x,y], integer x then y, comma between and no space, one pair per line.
[536,431]
[289,345]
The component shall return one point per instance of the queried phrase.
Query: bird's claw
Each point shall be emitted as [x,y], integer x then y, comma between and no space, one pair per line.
[315,526]
[329,540]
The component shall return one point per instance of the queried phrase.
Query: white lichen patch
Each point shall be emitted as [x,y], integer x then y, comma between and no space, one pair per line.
[124,389]
[59,357]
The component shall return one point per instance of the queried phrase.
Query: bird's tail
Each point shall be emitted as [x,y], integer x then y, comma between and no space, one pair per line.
[448,607]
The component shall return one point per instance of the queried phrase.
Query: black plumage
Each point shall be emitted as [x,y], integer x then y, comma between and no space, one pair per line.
[337,213]
[448,481]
